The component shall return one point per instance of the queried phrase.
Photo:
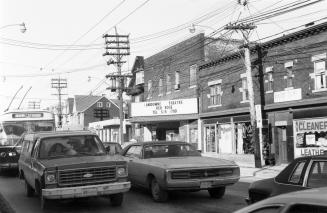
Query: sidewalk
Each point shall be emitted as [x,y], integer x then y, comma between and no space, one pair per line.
[249,173]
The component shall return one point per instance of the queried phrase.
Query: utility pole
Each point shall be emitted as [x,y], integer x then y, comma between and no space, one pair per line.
[117,46]
[59,84]
[255,141]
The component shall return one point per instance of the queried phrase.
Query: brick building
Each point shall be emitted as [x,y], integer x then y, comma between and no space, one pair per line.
[165,91]
[289,78]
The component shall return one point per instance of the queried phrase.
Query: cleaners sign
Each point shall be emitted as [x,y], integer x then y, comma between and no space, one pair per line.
[310,136]
[167,107]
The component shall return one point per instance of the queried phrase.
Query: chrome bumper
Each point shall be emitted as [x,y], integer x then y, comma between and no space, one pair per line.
[8,165]
[86,191]
[200,184]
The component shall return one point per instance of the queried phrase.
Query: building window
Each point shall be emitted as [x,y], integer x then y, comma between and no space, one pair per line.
[320,74]
[149,88]
[99,104]
[108,104]
[160,86]
[245,90]
[269,80]
[215,93]
[193,69]
[289,74]
[168,83]
[139,78]
[177,83]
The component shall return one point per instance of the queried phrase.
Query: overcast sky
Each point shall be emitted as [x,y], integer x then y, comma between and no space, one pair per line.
[153,25]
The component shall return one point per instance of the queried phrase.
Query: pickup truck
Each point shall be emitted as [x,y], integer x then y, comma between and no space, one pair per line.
[71,164]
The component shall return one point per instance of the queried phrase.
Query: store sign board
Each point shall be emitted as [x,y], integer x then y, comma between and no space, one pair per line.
[310,136]
[288,95]
[167,107]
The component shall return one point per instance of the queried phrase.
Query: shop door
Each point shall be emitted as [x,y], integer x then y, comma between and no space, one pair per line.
[210,139]
[282,144]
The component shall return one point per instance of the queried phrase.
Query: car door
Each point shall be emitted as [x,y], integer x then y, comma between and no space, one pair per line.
[133,155]
[35,165]
[28,173]
[294,181]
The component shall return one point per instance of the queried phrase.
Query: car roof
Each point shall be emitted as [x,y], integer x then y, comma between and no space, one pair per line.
[316,196]
[61,133]
[322,156]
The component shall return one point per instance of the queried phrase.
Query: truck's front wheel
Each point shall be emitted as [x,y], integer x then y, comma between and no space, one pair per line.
[117,199]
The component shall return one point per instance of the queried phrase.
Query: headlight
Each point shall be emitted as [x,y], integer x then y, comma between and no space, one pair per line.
[3,154]
[12,154]
[121,172]
[50,178]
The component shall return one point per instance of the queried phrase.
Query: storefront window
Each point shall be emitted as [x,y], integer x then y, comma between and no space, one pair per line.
[245,133]
[310,136]
[210,139]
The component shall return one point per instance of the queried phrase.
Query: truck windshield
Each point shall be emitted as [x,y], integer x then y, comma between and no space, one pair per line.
[67,146]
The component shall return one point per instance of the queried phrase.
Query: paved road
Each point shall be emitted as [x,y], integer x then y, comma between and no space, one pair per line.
[136,201]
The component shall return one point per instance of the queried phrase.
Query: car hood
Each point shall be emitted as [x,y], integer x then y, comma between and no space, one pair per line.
[83,161]
[189,162]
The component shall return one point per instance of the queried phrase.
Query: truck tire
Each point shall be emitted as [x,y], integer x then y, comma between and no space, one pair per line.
[217,192]
[117,199]
[158,194]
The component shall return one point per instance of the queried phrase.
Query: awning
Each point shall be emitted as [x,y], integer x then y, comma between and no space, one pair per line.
[163,118]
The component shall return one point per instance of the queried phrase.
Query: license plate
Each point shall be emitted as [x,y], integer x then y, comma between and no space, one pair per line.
[205,185]
[90,191]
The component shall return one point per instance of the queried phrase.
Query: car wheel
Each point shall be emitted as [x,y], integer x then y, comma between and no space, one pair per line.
[116,199]
[217,192]
[29,191]
[158,194]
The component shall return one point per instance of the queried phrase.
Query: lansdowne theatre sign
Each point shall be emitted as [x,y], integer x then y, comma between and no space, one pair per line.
[310,136]
[166,107]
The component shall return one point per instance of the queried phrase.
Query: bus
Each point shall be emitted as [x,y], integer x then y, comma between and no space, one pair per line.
[13,124]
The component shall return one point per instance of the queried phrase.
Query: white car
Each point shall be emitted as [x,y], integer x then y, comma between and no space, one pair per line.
[304,201]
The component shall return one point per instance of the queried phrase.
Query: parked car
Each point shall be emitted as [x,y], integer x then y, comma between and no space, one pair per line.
[71,164]
[306,201]
[164,166]
[112,148]
[302,173]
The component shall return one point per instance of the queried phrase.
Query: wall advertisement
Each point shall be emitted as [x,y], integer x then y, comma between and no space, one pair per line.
[310,136]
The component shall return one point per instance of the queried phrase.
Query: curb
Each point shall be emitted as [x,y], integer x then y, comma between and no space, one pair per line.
[5,206]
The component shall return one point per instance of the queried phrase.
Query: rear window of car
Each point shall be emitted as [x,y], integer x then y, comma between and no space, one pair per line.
[318,174]
[296,176]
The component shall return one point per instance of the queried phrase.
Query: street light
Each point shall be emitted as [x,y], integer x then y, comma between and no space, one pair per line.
[192,28]
[22,27]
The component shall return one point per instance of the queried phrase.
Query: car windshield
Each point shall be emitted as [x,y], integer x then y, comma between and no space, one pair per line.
[67,146]
[169,150]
